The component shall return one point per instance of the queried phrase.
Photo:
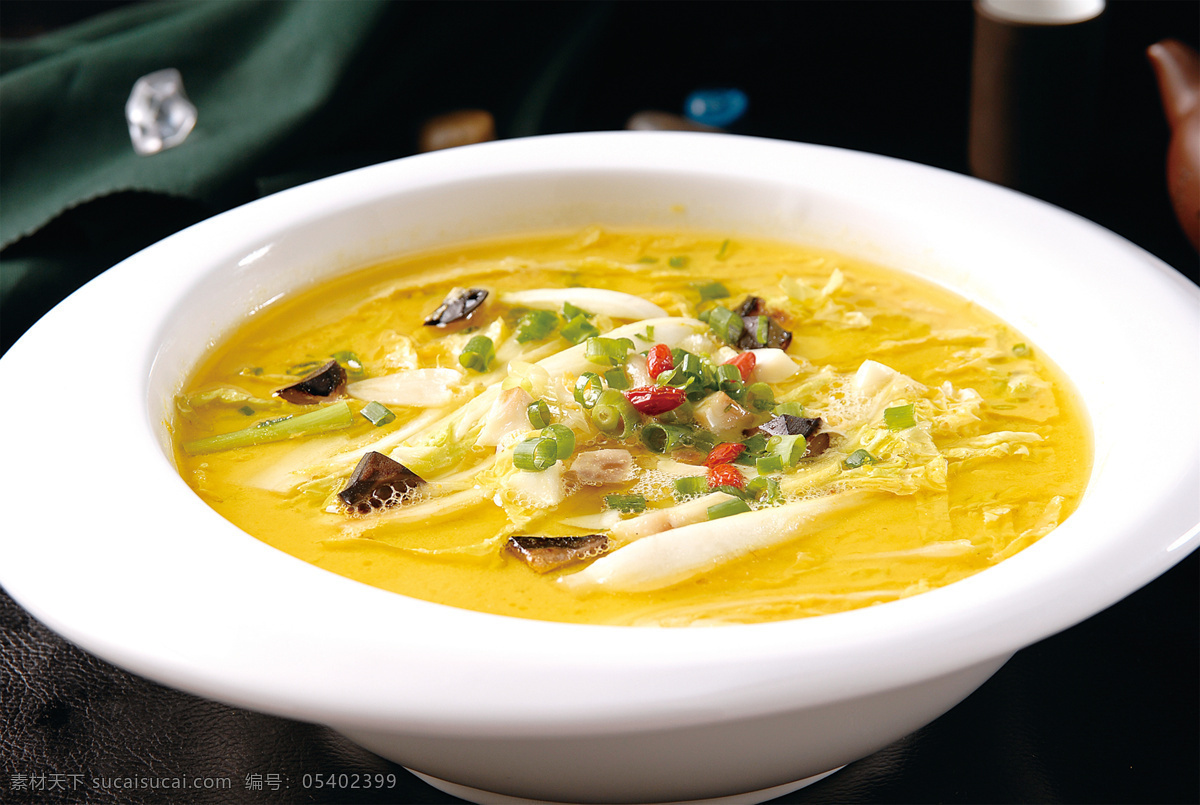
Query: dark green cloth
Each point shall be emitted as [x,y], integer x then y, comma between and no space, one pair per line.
[286,91]
[253,69]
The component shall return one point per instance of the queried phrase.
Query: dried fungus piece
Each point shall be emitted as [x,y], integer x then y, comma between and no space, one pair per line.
[322,384]
[817,444]
[544,554]
[458,305]
[378,482]
[791,425]
[761,329]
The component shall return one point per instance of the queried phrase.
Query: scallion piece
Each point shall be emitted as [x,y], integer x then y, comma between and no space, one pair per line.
[726,324]
[629,504]
[535,455]
[790,449]
[723,250]
[607,351]
[790,408]
[535,325]
[377,413]
[690,486]
[763,489]
[578,330]
[571,312]
[588,388]
[613,414]
[728,373]
[900,417]
[478,354]
[760,397]
[350,361]
[563,437]
[678,261]
[661,438]
[1022,350]
[326,418]
[858,458]
[712,290]
[727,508]
[538,413]
[246,410]
[616,378]
[772,462]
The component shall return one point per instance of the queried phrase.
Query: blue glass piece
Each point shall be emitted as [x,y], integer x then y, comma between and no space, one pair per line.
[716,107]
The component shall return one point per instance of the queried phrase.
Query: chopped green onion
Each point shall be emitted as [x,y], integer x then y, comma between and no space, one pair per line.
[712,290]
[535,455]
[626,503]
[773,462]
[727,324]
[690,486]
[790,449]
[588,388]
[727,508]
[349,361]
[535,325]
[858,458]
[563,437]
[1022,350]
[660,438]
[723,250]
[616,378]
[764,489]
[607,351]
[246,410]
[572,312]
[377,413]
[755,445]
[703,440]
[790,408]
[325,418]
[578,330]
[614,415]
[647,259]
[679,261]
[727,372]
[761,397]
[538,413]
[900,417]
[478,354]
[762,329]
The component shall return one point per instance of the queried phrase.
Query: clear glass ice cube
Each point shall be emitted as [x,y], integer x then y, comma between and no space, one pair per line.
[159,114]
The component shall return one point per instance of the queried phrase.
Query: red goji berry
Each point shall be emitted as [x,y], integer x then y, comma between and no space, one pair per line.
[744,361]
[725,475]
[654,400]
[724,453]
[659,360]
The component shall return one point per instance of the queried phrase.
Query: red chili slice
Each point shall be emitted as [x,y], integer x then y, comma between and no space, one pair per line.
[659,360]
[724,453]
[654,400]
[725,475]
[745,364]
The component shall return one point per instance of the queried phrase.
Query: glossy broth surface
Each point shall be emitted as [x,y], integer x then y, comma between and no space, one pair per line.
[973,448]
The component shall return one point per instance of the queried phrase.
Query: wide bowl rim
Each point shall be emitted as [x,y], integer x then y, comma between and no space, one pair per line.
[297,663]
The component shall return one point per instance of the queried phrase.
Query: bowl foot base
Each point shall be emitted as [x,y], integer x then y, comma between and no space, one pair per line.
[748,798]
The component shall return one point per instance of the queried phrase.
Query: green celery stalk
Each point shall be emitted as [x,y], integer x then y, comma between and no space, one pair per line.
[325,418]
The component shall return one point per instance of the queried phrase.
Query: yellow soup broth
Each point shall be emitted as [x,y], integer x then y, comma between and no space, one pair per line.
[951,442]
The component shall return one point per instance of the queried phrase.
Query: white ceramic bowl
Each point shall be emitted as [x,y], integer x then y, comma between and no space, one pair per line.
[137,570]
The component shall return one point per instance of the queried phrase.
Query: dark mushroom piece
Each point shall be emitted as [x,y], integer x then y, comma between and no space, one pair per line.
[378,482]
[324,383]
[544,554]
[772,335]
[817,444]
[458,305]
[791,425]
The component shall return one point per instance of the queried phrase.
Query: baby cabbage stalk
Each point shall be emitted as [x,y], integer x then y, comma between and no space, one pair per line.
[325,418]
[670,557]
[594,300]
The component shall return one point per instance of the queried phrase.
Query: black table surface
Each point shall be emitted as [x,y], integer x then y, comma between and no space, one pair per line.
[1106,711]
